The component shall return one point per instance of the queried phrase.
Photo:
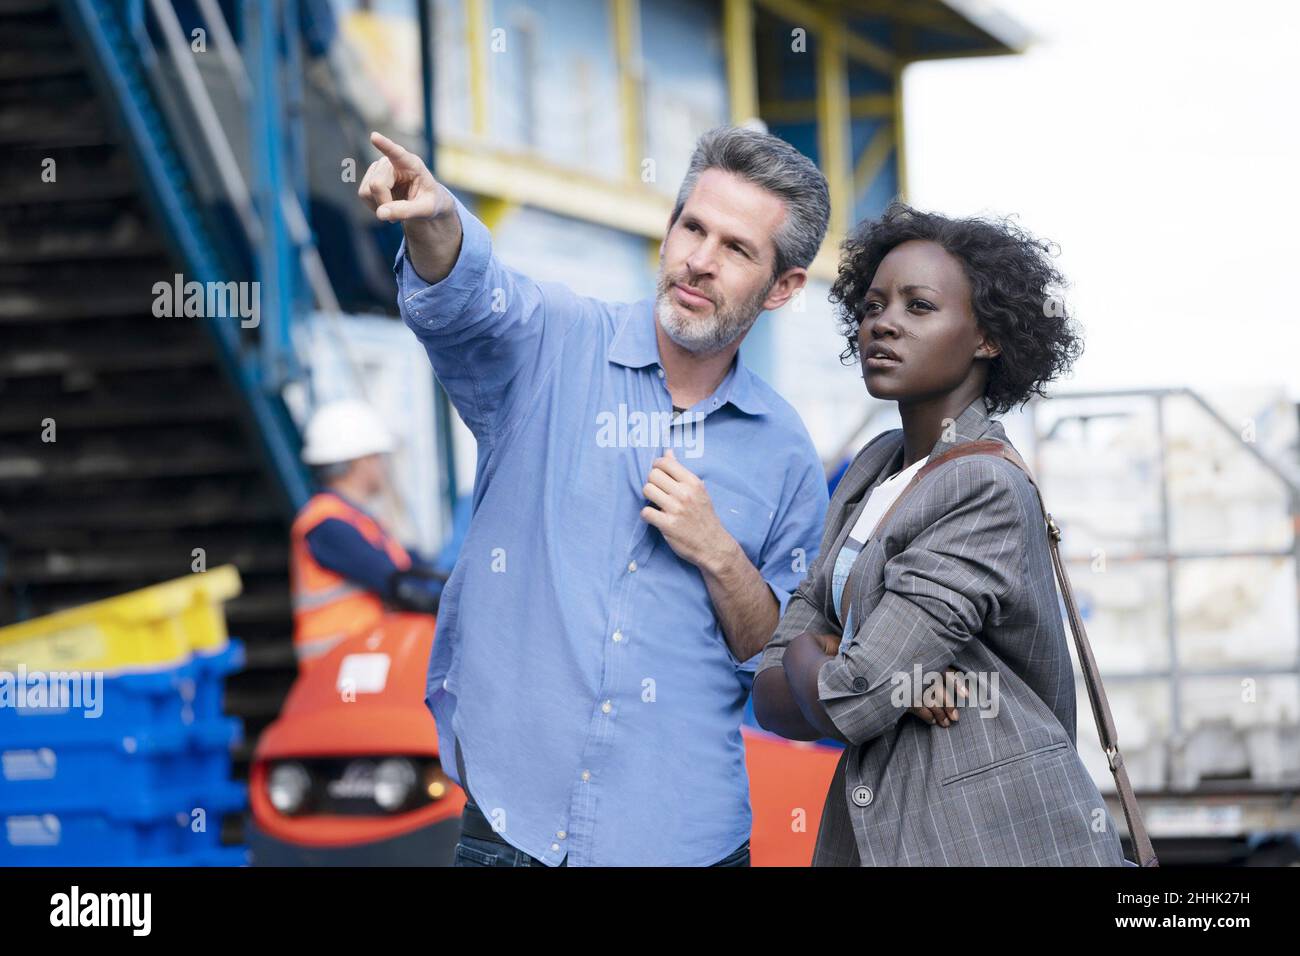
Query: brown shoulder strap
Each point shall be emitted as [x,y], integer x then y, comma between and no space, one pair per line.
[1091,675]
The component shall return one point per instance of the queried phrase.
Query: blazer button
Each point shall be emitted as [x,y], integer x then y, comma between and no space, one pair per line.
[859,684]
[862,796]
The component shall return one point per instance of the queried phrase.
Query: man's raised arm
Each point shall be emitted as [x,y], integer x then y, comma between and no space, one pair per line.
[398,187]
[489,330]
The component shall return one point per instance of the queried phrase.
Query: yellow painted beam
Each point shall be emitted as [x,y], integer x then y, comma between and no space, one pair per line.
[504,181]
[867,105]
[742,74]
[493,210]
[816,20]
[652,247]
[833,124]
[869,52]
[522,179]
[900,133]
[873,158]
[476,38]
[862,106]
[789,111]
[626,18]
[905,38]
[827,264]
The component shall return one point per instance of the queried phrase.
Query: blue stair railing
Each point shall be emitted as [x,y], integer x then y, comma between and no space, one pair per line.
[110,36]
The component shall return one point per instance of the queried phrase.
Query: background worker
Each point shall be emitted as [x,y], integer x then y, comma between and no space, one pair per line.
[347,571]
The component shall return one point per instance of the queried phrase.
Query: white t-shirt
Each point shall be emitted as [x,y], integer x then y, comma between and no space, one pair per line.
[870,512]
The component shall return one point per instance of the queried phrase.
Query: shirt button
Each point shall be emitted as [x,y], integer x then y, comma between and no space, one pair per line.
[586,775]
[631,566]
[862,796]
[606,707]
[618,636]
[555,846]
[561,834]
[661,373]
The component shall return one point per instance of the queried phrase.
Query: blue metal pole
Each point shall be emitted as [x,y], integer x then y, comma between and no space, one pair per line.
[274,257]
[442,404]
[296,149]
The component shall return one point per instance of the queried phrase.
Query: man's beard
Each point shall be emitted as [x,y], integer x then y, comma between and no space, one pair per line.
[705,335]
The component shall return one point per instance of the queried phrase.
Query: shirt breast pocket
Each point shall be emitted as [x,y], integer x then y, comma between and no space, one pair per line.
[746,517]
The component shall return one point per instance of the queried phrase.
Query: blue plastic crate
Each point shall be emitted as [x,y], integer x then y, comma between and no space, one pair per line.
[84,839]
[129,704]
[113,838]
[127,774]
[210,672]
[219,856]
[124,705]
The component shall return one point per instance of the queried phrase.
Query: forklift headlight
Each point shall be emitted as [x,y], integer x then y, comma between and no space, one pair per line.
[288,786]
[395,781]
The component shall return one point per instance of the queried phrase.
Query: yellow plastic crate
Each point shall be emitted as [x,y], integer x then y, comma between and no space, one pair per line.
[150,629]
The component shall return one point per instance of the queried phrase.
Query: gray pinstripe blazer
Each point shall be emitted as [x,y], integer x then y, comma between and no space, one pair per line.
[960,575]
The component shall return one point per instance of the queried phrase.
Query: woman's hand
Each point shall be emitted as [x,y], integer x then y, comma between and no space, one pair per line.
[829,643]
[953,692]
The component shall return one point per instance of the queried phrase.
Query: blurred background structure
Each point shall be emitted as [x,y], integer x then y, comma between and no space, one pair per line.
[221,141]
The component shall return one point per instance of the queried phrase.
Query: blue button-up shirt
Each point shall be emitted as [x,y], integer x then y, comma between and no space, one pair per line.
[579,661]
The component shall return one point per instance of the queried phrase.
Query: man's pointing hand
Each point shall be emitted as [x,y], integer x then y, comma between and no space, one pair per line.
[399,187]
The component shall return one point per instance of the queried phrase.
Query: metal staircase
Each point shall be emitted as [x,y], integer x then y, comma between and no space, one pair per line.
[127,441]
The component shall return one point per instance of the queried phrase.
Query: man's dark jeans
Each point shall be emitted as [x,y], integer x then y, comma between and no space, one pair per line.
[480,845]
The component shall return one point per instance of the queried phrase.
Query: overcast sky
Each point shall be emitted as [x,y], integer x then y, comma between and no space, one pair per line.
[1158,143]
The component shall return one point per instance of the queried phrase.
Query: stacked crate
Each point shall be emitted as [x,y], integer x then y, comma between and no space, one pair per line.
[135,770]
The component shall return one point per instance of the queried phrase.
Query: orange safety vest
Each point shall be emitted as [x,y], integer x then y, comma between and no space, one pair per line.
[327,607]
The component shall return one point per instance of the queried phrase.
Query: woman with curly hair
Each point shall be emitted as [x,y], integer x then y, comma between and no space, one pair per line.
[927,636]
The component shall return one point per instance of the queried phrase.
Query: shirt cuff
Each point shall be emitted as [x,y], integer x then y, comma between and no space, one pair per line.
[782,598]
[433,306]
[771,656]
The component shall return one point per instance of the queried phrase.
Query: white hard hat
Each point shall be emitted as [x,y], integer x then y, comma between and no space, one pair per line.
[344,431]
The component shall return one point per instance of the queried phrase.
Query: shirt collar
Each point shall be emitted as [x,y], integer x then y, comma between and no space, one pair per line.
[634,343]
[743,392]
[635,346]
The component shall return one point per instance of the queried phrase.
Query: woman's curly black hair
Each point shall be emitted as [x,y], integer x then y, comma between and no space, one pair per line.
[1015,294]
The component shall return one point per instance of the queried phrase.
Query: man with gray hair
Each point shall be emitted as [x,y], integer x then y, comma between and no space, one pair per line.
[598,637]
